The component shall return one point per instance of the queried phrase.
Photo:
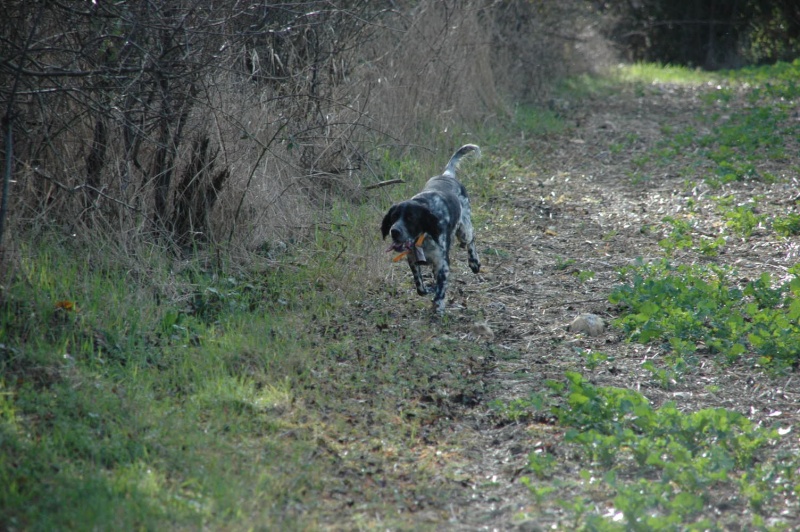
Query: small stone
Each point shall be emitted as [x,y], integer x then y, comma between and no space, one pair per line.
[590,324]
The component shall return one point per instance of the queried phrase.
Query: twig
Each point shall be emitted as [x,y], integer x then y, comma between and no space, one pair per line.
[76,188]
[384,184]
[566,303]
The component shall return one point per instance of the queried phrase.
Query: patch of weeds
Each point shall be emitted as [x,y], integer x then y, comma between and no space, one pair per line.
[774,333]
[749,132]
[721,95]
[679,237]
[741,219]
[730,171]
[533,120]
[662,301]
[788,225]
[664,465]
[710,247]
[496,252]
[609,235]
[563,263]
[769,481]
[639,162]
[690,305]
[542,464]
[639,178]
[517,410]
[664,377]
[629,140]
[734,143]
[593,359]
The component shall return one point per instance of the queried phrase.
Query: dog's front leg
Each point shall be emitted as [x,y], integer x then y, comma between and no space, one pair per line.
[441,270]
[416,272]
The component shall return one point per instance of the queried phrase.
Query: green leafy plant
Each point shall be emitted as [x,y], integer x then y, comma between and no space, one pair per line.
[517,409]
[683,455]
[788,225]
[688,305]
[563,263]
[592,359]
[710,247]
[742,219]
[540,493]
[679,237]
[542,463]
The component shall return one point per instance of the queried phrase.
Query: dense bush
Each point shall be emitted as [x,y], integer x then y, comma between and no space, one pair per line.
[712,34]
[203,121]
[126,113]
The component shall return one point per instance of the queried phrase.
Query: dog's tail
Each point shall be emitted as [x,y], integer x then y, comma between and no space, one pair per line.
[450,169]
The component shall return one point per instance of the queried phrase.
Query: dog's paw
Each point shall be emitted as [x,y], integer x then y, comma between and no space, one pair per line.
[475,266]
[424,290]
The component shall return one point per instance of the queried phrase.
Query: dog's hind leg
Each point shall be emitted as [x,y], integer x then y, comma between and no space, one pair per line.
[472,257]
[466,238]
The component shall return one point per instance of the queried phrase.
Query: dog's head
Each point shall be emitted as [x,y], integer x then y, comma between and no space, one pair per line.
[405,221]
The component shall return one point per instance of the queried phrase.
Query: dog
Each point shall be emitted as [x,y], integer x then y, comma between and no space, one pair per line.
[423,228]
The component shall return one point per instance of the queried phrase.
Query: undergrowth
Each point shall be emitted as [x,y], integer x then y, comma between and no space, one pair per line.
[144,392]
[663,466]
[135,408]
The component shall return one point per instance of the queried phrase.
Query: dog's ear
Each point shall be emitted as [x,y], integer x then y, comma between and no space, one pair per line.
[388,220]
[428,222]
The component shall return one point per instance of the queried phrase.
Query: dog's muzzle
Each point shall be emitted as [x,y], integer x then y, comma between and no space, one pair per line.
[410,248]
[400,246]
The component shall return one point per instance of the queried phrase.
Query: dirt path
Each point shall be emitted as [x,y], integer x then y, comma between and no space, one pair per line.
[584,209]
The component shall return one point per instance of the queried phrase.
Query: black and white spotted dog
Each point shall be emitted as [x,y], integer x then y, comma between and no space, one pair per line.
[439,212]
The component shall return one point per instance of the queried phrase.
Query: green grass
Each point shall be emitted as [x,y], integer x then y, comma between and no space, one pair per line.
[638,75]
[534,121]
[658,73]
[124,412]
[141,393]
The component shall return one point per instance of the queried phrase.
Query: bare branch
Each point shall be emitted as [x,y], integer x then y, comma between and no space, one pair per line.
[383,184]
[83,186]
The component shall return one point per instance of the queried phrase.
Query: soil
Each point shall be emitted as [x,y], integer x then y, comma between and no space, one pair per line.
[585,205]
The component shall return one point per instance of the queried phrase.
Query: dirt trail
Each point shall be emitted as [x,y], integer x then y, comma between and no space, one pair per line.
[581,207]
